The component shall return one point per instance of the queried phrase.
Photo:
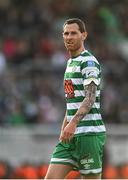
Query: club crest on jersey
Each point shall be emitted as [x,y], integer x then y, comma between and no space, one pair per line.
[90,63]
[74,69]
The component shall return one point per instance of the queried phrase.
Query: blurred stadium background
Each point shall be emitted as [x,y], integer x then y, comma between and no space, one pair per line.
[32,63]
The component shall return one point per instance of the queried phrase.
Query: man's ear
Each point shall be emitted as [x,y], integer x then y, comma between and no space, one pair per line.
[84,35]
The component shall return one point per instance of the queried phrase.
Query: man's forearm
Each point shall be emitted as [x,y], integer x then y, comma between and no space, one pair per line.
[90,96]
[64,121]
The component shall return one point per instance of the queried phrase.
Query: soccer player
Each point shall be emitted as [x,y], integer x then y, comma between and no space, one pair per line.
[82,134]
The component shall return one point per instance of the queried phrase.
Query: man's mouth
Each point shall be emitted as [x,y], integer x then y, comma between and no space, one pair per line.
[69,43]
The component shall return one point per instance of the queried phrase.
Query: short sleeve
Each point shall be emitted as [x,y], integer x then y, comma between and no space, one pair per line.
[90,71]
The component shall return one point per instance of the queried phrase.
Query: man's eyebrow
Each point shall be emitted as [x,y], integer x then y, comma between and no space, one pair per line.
[66,32]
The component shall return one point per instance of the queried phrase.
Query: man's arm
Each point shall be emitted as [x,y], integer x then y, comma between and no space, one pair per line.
[90,96]
[64,122]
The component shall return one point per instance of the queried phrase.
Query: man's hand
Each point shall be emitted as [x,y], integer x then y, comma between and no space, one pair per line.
[68,132]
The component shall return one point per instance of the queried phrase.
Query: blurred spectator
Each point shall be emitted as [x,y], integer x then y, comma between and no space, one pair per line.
[42,169]
[25,171]
[16,115]
[123,171]
[111,172]
[9,48]
[5,169]
[3,63]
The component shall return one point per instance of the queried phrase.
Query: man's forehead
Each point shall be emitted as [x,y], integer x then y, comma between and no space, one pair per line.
[71,27]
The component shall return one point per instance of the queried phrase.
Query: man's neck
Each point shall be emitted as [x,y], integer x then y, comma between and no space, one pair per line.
[76,53]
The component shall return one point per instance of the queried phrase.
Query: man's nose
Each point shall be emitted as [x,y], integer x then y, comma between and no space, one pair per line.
[69,36]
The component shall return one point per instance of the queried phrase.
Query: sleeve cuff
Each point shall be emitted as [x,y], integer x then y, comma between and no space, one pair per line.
[88,81]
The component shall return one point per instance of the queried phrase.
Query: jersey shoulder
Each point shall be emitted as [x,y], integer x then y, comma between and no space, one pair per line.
[88,56]
[90,62]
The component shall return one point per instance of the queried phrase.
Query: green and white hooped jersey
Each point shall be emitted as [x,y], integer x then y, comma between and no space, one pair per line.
[81,71]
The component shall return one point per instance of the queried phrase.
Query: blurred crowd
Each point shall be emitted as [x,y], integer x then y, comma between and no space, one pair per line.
[29,170]
[33,57]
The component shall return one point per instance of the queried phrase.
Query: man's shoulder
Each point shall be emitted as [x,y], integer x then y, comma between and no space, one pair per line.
[89,57]
[86,54]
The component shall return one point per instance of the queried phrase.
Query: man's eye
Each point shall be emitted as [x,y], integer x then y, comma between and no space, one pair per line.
[66,33]
[73,33]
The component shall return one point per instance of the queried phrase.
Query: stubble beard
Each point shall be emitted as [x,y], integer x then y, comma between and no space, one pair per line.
[73,50]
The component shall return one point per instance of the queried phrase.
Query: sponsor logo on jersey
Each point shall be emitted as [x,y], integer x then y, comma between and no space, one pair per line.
[69,89]
[91,73]
[90,63]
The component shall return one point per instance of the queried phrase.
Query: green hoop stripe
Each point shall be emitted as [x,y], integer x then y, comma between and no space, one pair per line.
[72,112]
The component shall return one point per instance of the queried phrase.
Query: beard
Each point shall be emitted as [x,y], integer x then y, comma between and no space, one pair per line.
[72,46]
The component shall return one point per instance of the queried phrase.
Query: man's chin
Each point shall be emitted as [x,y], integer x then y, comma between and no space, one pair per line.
[70,48]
